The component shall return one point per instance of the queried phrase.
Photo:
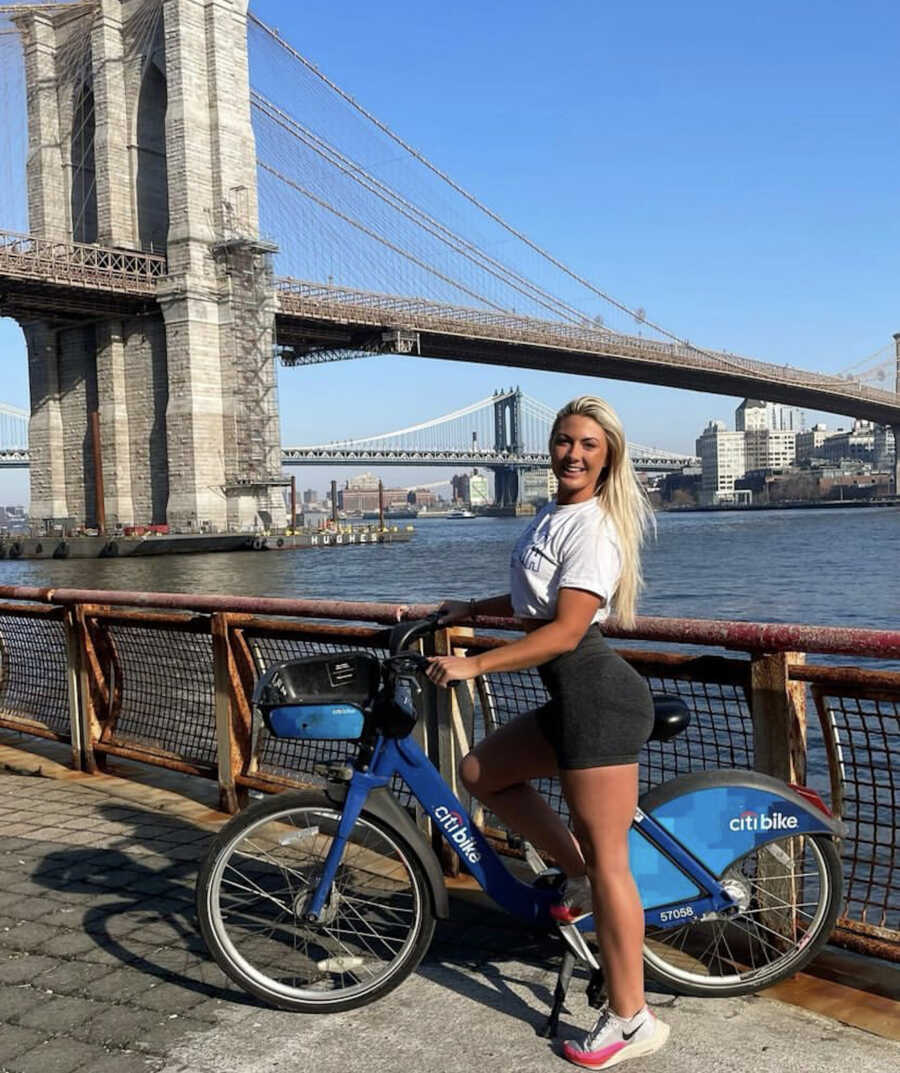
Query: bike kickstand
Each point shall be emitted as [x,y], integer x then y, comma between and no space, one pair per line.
[596,989]
[551,1026]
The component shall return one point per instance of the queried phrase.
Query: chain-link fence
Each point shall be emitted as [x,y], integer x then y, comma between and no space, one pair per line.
[172,686]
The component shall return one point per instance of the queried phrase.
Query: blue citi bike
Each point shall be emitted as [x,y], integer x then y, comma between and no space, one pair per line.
[324,900]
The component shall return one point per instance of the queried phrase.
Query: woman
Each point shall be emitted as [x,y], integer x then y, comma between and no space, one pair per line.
[579,556]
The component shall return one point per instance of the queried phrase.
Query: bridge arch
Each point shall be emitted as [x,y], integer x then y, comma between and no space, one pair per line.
[151,191]
[83,192]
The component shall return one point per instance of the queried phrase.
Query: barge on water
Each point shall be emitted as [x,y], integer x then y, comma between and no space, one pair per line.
[80,546]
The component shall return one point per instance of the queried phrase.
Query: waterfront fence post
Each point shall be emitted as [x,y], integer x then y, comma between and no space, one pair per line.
[73,684]
[90,677]
[778,708]
[778,711]
[232,723]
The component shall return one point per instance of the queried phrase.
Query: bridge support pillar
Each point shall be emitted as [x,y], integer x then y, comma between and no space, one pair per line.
[506,486]
[895,484]
[45,428]
[218,302]
[115,439]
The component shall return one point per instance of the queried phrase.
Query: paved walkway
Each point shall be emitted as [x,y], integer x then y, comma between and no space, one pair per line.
[102,970]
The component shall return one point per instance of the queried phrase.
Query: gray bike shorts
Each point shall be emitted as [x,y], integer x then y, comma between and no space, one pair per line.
[600,711]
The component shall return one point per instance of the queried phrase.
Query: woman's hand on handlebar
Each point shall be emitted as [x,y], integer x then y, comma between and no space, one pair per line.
[452,611]
[444,670]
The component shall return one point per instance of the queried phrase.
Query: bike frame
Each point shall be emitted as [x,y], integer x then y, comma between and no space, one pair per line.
[404,757]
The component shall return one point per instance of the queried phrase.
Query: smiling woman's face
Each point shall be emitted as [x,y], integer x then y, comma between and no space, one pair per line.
[578,454]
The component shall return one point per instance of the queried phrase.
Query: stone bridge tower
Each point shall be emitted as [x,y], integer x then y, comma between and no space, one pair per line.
[140,139]
[507,439]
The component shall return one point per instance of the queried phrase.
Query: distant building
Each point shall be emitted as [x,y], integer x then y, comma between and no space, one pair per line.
[767,448]
[422,497]
[360,494]
[754,414]
[722,462]
[538,485]
[310,496]
[459,488]
[884,448]
[470,489]
[479,495]
[682,488]
[856,443]
[810,440]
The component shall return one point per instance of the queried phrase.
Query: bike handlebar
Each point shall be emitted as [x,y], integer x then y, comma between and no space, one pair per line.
[405,633]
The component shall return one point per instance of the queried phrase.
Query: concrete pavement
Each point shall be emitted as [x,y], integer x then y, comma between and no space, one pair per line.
[102,970]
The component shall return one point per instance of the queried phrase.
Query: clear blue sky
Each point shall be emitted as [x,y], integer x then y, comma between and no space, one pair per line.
[731,168]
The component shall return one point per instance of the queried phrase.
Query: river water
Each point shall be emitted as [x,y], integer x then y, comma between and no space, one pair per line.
[823,567]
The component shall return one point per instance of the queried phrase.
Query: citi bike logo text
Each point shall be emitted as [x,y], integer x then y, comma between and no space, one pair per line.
[457,832]
[753,821]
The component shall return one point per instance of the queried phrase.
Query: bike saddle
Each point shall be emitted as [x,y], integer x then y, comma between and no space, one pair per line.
[671,716]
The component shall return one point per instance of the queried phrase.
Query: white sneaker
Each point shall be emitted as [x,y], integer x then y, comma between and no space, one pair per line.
[614,1039]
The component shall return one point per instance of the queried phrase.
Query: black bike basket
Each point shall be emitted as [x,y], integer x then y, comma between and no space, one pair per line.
[319,697]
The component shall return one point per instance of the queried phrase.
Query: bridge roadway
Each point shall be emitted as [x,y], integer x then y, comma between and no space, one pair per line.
[18,458]
[40,276]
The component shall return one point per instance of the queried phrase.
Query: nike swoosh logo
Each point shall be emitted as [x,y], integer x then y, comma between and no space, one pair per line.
[627,1035]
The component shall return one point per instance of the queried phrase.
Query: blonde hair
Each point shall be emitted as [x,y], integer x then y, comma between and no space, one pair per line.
[620,494]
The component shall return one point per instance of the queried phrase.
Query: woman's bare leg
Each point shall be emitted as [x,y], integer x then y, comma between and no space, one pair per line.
[602,802]
[497,771]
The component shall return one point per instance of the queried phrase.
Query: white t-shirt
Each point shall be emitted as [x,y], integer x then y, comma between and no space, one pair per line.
[573,546]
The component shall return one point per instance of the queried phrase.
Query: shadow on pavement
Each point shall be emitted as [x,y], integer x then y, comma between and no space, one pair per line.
[142,909]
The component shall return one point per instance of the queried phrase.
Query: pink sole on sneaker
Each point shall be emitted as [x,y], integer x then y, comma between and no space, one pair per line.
[616,1052]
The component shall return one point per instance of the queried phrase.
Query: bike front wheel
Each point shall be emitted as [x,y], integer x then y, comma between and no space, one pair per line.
[788,896]
[258,879]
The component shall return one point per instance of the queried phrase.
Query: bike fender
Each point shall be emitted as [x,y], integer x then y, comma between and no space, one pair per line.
[382,804]
[720,816]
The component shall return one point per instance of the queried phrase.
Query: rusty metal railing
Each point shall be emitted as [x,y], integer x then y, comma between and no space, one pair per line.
[79,264]
[166,679]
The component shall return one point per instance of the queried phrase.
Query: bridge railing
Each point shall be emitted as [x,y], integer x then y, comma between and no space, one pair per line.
[79,264]
[166,680]
[346,304]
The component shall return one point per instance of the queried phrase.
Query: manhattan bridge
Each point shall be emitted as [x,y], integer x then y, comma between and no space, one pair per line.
[185,199]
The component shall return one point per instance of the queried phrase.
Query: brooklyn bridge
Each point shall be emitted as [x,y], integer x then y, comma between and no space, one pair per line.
[202,202]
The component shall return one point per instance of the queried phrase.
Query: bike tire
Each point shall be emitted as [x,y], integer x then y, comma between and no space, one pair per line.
[772,935]
[375,928]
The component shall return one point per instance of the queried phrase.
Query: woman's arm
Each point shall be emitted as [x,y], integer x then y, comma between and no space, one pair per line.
[575,608]
[456,610]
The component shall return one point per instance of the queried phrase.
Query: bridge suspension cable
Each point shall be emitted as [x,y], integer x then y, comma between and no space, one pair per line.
[413,212]
[482,406]
[380,223]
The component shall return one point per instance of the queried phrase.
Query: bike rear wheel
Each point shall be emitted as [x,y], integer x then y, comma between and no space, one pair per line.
[788,893]
[257,881]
